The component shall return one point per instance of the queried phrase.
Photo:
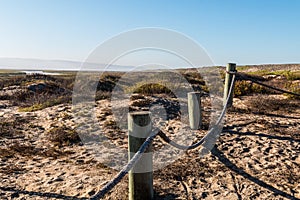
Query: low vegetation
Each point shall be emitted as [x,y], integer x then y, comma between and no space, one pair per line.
[243,87]
[12,128]
[58,89]
[293,87]
[63,135]
[45,104]
[149,88]
[264,105]
[287,74]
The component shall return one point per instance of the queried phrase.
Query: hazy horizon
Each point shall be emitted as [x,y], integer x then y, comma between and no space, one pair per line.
[69,65]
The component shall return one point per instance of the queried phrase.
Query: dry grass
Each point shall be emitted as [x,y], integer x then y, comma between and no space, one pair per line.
[63,135]
[243,87]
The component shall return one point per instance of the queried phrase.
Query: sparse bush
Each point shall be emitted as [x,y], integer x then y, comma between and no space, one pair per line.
[205,88]
[100,95]
[63,136]
[288,74]
[244,87]
[149,89]
[46,104]
[152,89]
[291,76]
[56,90]
[194,78]
[293,87]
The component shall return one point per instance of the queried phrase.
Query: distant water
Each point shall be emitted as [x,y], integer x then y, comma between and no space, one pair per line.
[40,72]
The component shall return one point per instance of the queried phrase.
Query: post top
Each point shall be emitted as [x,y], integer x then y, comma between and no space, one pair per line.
[139,113]
[195,92]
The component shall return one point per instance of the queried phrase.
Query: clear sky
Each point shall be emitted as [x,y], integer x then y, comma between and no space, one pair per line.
[242,31]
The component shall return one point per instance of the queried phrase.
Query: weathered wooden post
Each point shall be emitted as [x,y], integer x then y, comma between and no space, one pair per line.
[194,109]
[141,175]
[231,67]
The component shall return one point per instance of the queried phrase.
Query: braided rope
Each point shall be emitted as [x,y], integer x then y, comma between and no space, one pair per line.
[110,185]
[209,140]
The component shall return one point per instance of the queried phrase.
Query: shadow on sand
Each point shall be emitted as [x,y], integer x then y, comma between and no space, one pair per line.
[261,135]
[216,152]
[17,192]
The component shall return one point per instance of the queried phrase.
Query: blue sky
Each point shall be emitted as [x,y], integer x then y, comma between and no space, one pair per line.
[241,31]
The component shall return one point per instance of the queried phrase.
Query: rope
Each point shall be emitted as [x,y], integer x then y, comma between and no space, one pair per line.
[268,86]
[208,138]
[234,72]
[212,133]
[110,185]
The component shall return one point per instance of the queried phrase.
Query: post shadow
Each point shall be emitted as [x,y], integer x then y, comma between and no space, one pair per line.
[248,133]
[40,194]
[217,153]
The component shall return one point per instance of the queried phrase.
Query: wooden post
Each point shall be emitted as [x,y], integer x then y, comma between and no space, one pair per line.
[231,67]
[194,108]
[141,175]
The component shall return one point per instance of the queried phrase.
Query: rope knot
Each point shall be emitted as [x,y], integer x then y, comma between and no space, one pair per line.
[231,72]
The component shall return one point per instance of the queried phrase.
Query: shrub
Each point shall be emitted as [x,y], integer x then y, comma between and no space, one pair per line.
[293,87]
[46,104]
[100,95]
[291,76]
[149,88]
[57,89]
[244,87]
[63,136]
[194,78]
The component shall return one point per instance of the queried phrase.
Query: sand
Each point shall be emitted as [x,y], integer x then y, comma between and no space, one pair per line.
[256,157]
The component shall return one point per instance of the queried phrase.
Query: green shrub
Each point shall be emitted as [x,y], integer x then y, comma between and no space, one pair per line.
[149,88]
[293,87]
[291,76]
[244,87]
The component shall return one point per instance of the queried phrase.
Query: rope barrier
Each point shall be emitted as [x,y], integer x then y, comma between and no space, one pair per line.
[232,72]
[208,140]
[211,134]
[265,85]
[110,185]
